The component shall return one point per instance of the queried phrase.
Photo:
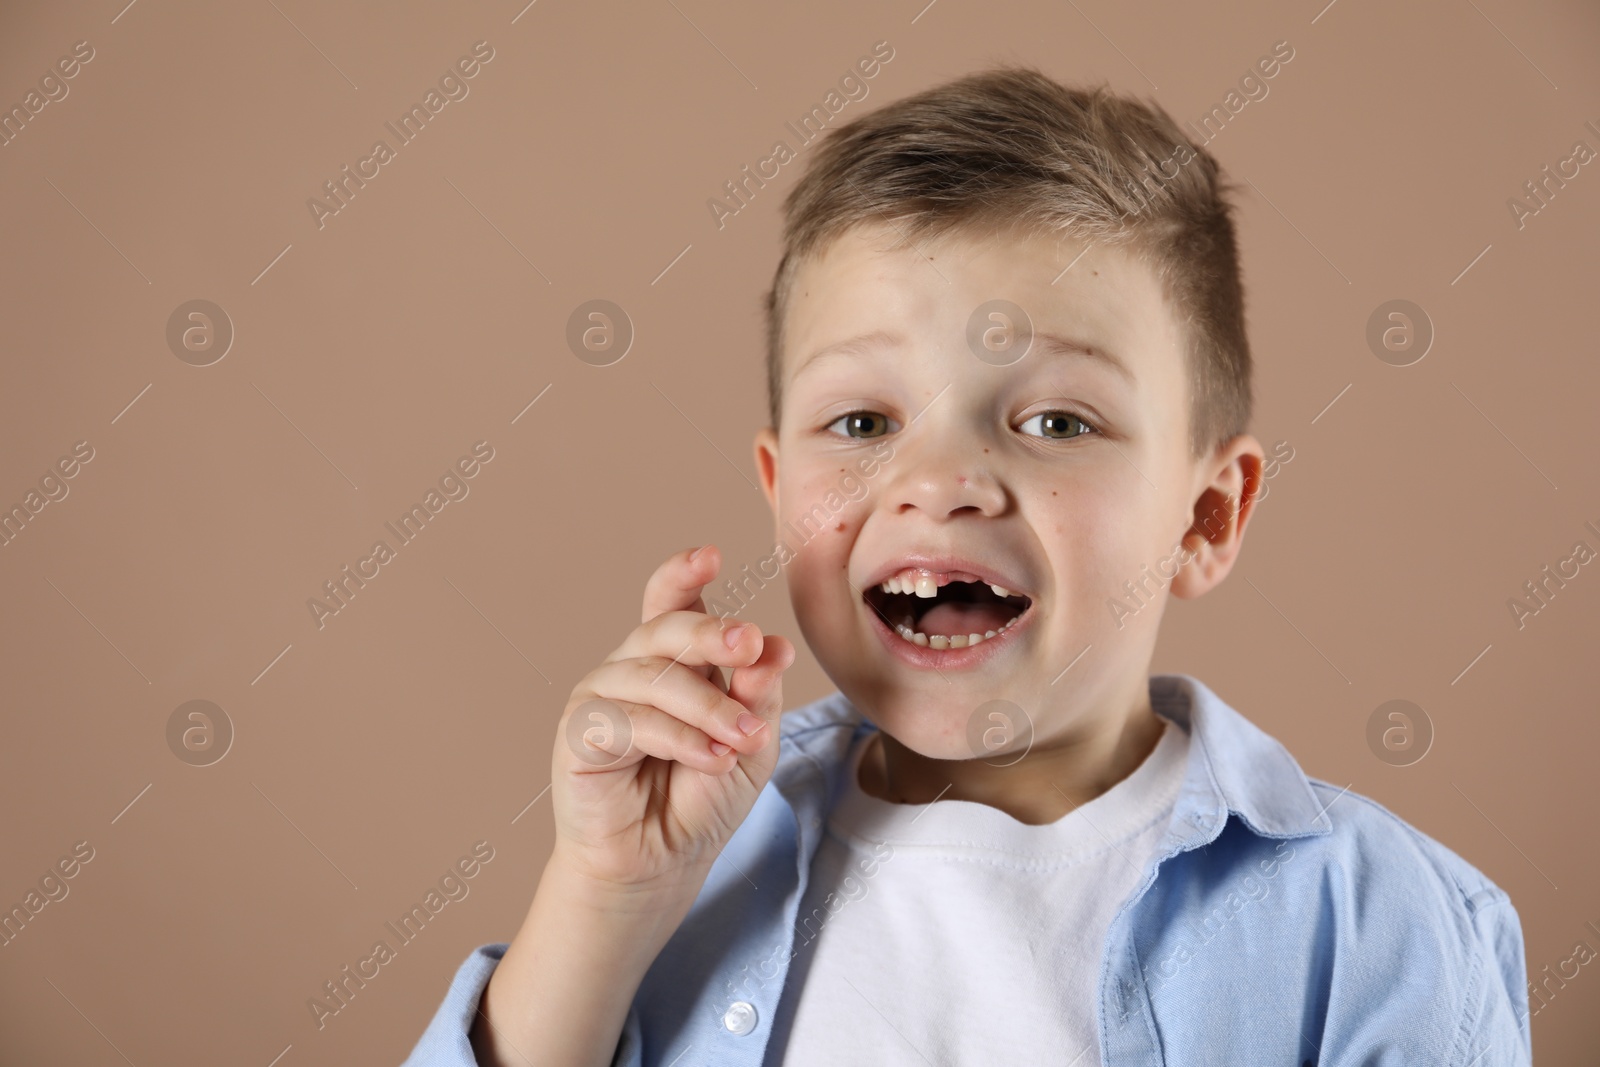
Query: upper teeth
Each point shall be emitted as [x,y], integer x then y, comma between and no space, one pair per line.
[926,586]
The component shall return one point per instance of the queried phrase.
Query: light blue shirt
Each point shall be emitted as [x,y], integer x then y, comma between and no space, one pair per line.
[1282,921]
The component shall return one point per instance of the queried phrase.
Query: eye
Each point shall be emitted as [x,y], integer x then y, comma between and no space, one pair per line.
[1058,425]
[859,424]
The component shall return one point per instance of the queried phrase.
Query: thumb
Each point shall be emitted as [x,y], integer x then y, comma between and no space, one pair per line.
[759,686]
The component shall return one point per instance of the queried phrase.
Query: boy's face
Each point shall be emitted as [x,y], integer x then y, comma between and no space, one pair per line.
[1055,475]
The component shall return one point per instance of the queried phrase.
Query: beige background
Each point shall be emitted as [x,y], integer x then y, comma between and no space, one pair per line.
[371,353]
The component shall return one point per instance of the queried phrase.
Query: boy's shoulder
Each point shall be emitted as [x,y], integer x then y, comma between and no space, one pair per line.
[1370,836]
[1370,850]
[1398,900]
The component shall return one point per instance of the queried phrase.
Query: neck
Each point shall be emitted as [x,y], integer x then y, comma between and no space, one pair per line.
[1056,775]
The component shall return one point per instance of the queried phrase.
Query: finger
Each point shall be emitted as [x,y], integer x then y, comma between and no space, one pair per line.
[649,731]
[693,638]
[676,584]
[679,691]
[759,687]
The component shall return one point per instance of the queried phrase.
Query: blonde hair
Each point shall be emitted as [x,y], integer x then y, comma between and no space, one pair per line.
[1009,147]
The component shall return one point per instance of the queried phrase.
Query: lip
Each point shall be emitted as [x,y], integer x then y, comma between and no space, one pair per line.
[948,658]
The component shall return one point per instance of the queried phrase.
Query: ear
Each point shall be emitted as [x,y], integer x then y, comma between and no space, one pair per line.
[1221,511]
[767,465]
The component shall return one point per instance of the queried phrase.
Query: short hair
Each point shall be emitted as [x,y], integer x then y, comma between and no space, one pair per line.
[1009,147]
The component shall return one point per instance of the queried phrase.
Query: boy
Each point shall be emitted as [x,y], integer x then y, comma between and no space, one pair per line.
[1009,384]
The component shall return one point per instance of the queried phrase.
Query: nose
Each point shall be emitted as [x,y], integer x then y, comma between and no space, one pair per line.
[945,479]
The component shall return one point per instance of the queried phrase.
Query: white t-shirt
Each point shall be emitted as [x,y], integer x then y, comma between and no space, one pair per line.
[951,933]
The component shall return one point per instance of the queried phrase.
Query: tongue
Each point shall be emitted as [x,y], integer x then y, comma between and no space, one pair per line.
[950,618]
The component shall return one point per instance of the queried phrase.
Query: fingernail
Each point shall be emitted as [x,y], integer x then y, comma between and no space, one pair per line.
[697,552]
[720,749]
[731,637]
[747,723]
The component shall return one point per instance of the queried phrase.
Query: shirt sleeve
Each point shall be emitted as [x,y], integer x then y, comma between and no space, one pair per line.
[445,1042]
[1503,1036]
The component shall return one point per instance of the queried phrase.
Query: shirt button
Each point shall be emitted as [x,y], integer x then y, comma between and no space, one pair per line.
[740,1018]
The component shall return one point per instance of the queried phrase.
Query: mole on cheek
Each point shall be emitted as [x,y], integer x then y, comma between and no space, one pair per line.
[840,528]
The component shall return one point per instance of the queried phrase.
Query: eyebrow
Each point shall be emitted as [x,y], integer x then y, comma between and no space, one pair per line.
[1048,344]
[1054,345]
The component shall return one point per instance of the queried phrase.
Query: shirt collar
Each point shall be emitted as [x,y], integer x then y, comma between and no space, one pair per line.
[1233,765]
[1236,766]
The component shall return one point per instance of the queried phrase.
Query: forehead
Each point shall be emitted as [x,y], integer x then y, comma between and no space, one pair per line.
[872,289]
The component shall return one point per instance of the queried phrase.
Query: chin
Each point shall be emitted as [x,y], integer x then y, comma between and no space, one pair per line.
[947,725]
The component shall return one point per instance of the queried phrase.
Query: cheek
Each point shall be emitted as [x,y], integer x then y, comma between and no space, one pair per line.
[1098,535]
[817,591]
[807,590]
[818,522]
[817,502]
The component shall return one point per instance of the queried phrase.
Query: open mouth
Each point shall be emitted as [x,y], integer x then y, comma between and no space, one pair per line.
[943,611]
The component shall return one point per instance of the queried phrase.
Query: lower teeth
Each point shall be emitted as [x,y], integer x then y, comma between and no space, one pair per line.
[940,641]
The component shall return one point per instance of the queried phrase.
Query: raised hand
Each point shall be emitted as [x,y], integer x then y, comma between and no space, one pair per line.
[658,760]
